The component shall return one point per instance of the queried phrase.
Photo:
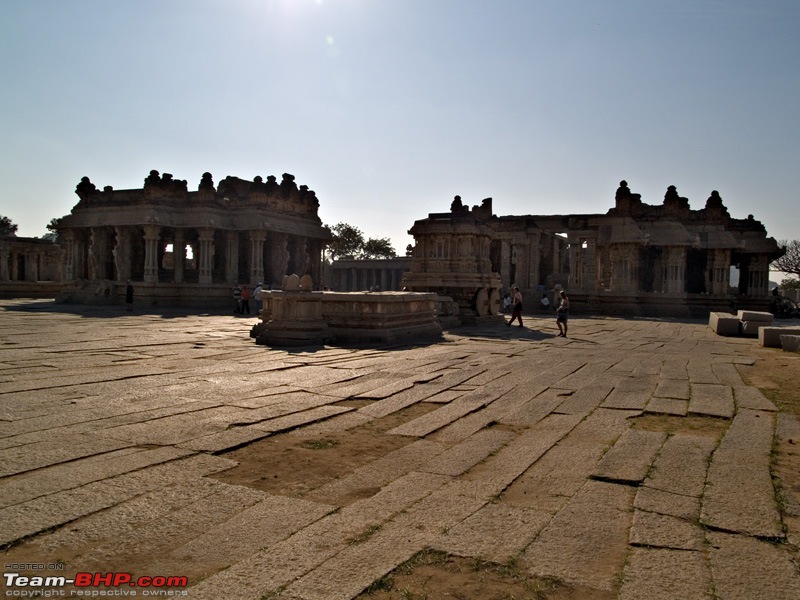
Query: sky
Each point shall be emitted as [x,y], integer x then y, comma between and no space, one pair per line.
[389,108]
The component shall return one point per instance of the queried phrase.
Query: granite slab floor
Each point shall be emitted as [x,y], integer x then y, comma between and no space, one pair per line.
[629,458]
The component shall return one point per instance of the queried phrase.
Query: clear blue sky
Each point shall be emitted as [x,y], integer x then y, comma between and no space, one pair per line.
[389,108]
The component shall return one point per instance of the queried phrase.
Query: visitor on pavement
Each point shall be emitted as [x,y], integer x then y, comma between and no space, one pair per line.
[562,314]
[237,298]
[245,299]
[516,312]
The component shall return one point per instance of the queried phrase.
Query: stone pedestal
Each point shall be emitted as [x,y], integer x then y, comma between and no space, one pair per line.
[296,320]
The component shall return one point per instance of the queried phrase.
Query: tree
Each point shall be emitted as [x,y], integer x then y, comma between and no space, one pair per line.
[790,261]
[378,248]
[348,242]
[52,230]
[790,283]
[7,227]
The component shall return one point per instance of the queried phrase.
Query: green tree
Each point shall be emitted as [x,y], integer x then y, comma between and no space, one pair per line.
[7,227]
[790,283]
[52,230]
[378,248]
[790,261]
[348,241]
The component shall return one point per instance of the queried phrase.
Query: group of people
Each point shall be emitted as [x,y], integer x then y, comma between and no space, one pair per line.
[241,299]
[562,312]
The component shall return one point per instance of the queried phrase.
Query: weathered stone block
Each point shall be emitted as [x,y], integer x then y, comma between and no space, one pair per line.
[754,315]
[770,337]
[724,323]
[750,328]
[790,343]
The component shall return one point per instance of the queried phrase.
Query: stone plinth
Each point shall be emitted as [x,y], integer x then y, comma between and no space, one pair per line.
[295,320]
[790,343]
[770,337]
[724,323]
[346,318]
[755,315]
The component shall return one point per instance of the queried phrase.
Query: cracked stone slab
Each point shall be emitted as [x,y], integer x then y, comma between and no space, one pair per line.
[586,542]
[663,574]
[261,525]
[752,398]
[745,568]
[631,393]
[672,388]
[667,503]
[463,456]
[682,464]
[739,494]
[56,509]
[585,399]
[353,569]
[727,374]
[422,426]
[274,567]
[379,472]
[700,371]
[558,475]
[714,400]
[476,536]
[518,455]
[19,459]
[535,409]
[668,406]
[656,530]
[42,482]
[630,457]
[179,526]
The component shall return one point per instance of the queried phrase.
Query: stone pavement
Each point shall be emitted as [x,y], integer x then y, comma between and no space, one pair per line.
[629,458]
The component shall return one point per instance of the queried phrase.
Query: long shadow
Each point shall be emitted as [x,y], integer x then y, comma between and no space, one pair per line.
[110,311]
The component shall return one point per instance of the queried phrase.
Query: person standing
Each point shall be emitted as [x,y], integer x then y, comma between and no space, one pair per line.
[516,311]
[129,296]
[237,298]
[245,299]
[545,303]
[562,314]
[257,295]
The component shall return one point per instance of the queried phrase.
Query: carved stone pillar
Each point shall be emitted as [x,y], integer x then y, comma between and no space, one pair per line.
[556,255]
[590,266]
[5,256]
[758,276]
[721,271]
[279,258]
[122,253]
[31,258]
[521,272]
[505,262]
[151,238]
[98,253]
[206,263]
[178,256]
[68,238]
[257,237]
[231,257]
[675,270]
[301,250]
[575,265]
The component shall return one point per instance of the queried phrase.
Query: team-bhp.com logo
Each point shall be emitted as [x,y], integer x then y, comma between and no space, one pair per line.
[93,585]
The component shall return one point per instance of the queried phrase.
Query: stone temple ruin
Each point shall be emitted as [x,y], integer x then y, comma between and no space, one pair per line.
[637,259]
[184,248]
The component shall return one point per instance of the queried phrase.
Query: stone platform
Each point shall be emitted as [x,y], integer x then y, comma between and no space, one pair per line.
[629,459]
